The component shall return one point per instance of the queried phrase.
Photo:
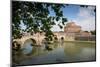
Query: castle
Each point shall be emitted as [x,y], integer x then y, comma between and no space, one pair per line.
[71,30]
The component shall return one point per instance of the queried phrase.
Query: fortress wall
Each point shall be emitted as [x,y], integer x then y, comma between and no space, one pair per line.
[69,38]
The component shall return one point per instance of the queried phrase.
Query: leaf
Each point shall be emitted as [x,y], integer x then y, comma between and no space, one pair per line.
[64,19]
[60,26]
[57,18]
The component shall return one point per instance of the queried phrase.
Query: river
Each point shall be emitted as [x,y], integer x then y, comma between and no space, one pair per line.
[57,53]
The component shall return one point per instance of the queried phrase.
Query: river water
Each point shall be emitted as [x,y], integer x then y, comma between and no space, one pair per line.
[56,53]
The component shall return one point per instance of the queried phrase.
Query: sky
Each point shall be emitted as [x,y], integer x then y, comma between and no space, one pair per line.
[82,16]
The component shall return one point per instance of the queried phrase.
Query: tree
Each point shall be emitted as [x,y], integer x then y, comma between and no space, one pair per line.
[93,32]
[86,31]
[35,17]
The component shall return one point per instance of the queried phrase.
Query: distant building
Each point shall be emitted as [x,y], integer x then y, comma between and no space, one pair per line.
[72,28]
[71,31]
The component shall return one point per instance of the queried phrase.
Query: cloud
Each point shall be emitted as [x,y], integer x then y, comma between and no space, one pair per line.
[86,18]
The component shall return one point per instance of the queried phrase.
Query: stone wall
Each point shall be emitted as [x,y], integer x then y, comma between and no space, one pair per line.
[85,38]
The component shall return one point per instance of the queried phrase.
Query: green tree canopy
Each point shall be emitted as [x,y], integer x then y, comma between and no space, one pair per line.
[35,17]
[93,32]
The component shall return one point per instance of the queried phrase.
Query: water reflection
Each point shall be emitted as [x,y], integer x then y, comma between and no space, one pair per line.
[71,49]
[28,46]
[79,52]
[61,52]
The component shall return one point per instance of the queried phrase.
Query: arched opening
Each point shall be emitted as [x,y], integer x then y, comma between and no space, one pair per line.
[62,38]
[34,42]
[55,38]
[28,45]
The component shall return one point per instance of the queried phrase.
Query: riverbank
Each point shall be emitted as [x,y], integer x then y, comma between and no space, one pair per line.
[81,41]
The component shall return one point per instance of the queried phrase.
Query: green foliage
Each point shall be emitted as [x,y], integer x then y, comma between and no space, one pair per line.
[35,16]
[93,32]
[86,31]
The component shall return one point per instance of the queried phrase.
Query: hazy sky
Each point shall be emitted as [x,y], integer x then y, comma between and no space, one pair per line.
[85,17]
